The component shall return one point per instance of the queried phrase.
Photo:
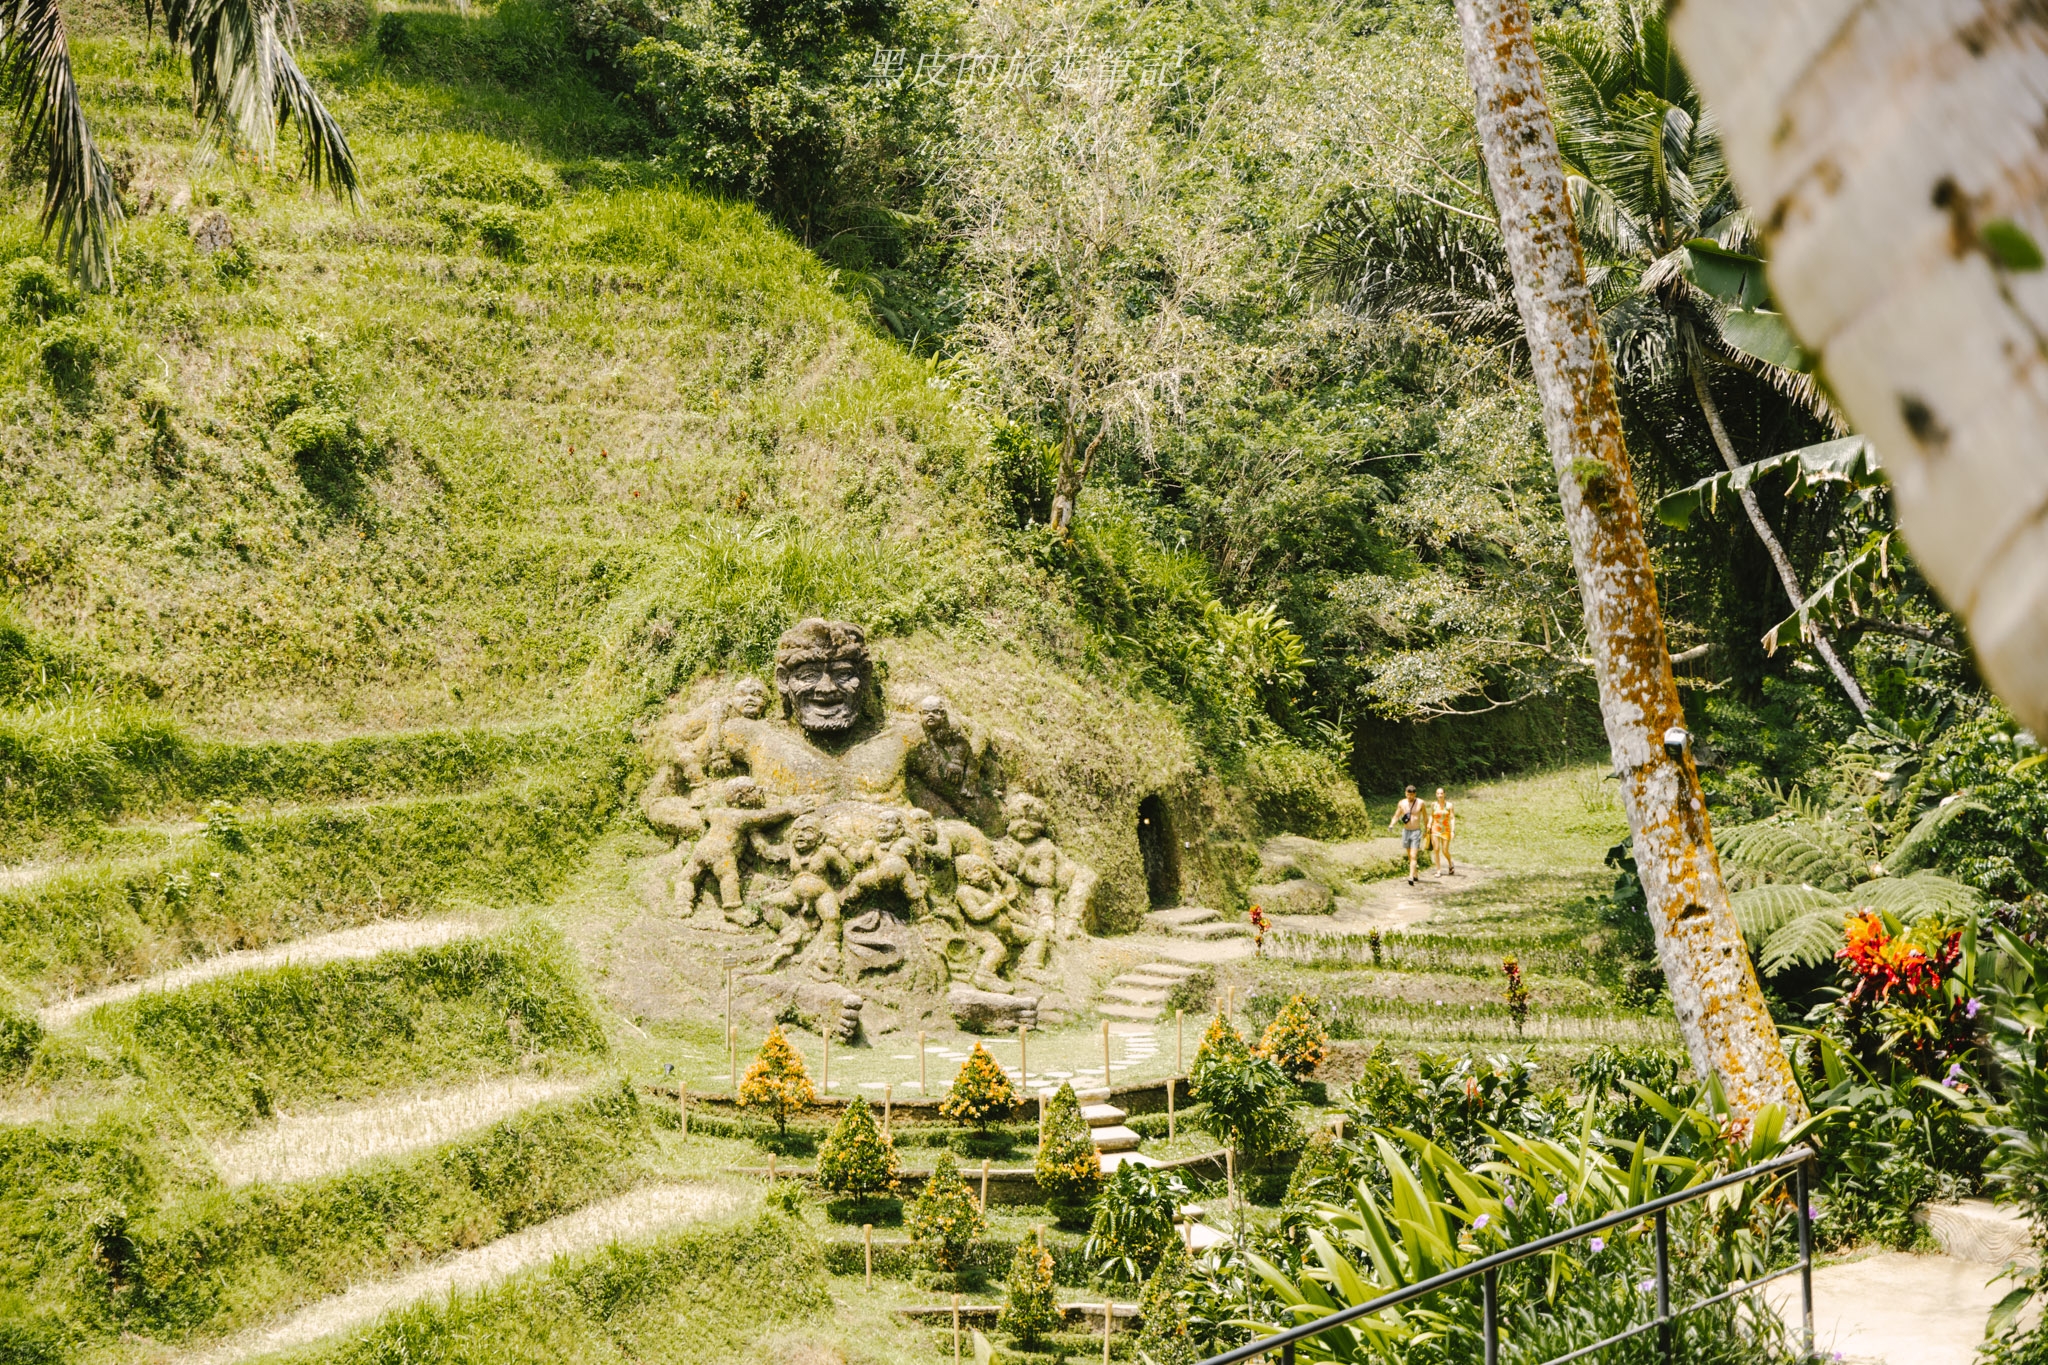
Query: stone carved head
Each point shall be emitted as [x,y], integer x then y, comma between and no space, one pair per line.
[1024,816]
[745,793]
[931,714]
[805,834]
[974,870]
[750,698]
[823,672]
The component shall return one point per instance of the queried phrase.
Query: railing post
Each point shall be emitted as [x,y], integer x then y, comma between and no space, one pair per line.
[1663,1288]
[1287,1354]
[1804,1194]
[1489,1315]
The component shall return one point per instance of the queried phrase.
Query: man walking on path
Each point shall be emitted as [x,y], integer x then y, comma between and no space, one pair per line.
[1408,815]
[1443,823]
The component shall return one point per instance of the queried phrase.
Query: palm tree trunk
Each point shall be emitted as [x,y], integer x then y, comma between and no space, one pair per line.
[1786,573]
[1714,989]
[1890,150]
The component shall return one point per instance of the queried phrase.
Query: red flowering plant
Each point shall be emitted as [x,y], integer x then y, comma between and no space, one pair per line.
[1905,994]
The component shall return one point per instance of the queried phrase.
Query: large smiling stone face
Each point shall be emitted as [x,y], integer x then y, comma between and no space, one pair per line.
[822,672]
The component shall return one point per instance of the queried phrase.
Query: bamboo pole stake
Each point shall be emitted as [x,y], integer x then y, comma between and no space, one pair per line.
[984,1187]
[867,1250]
[732,1056]
[1108,1317]
[1169,1108]
[956,1329]
[888,1104]
[1024,1056]
[1714,991]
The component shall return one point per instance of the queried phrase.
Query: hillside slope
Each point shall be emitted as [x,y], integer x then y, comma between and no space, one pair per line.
[341,555]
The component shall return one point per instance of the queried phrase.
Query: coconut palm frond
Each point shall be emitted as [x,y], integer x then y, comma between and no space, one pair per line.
[1921,893]
[1764,910]
[328,160]
[80,202]
[1807,941]
[246,81]
[1404,254]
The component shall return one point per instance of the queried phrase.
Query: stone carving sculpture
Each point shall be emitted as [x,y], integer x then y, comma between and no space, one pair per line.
[718,851]
[806,817]
[954,762]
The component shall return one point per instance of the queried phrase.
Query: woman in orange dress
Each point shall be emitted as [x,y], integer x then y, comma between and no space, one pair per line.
[1443,824]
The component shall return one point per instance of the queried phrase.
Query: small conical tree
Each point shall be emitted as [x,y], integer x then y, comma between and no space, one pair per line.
[1030,1314]
[858,1160]
[1221,1043]
[1164,1339]
[1069,1169]
[980,1093]
[1296,1039]
[777,1081]
[945,1220]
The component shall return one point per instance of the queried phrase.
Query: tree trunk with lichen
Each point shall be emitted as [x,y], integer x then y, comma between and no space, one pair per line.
[1894,154]
[1714,989]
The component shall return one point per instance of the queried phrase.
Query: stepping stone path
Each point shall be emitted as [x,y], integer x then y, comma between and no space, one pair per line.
[1140,995]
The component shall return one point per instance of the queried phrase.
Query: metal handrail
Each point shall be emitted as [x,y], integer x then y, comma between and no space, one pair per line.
[1487,1270]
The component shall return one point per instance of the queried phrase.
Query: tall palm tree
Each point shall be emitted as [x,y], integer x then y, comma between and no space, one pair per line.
[1714,991]
[1644,168]
[245,83]
[1900,139]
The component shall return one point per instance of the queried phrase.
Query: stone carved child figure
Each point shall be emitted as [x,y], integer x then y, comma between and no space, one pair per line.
[815,864]
[693,747]
[890,860]
[717,853]
[987,897]
[1060,887]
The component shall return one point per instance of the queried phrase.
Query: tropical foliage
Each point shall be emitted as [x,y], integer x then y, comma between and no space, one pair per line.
[777,1081]
[944,1219]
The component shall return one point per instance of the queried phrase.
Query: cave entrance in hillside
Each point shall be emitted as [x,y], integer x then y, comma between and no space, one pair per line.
[1161,852]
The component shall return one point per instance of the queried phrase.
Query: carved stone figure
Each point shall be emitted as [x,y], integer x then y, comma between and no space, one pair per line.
[691,748]
[837,749]
[989,900]
[717,853]
[887,863]
[811,897]
[1062,890]
[953,761]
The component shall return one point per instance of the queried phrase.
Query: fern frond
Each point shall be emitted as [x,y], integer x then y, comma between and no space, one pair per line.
[1807,941]
[1792,851]
[1916,850]
[1922,893]
[1764,910]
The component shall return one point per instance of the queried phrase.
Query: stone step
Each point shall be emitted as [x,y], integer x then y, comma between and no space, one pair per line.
[1115,1138]
[1143,1013]
[1140,981]
[1979,1230]
[1112,1160]
[1087,1095]
[1185,914]
[1213,930]
[1172,971]
[1102,1115]
[1201,1237]
[1134,994]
